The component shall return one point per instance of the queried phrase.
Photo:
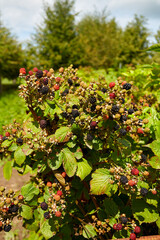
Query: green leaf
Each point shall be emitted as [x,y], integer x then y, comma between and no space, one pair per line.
[89,231]
[19,156]
[125,145]
[55,162]
[154,47]
[100,181]
[27,151]
[28,191]
[78,154]
[142,184]
[63,134]
[155,162]
[7,170]
[152,199]
[26,212]
[69,162]
[144,212]
[46,230]
[111,207]
[158,223]
[6,143]
[155,146]
[84,169]
[13,147]
[111,189]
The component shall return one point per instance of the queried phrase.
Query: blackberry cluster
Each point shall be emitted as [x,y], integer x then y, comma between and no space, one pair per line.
[44,90]
[127,86]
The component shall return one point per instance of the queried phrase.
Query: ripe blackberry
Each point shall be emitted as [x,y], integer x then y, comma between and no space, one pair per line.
[89,137]
[124,220]
[45,81]
[93,107]
[130,111]
[124,179]
[7,228]
[46,215]
[65,115]
[123,118]
[44,206]
[43,124]
[65,92]
[44,90]
[122,131]
[144,191]
[77,85]
[127,86]
[13,208]
[115,109]
[75,113]
[143,157]
[39,74]
[70,82]
[4,138]
[19,140]
[74,106]
[92,100]
[104,90]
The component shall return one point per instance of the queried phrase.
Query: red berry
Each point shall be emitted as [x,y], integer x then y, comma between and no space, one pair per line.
[35,69]
[59,192]
[112,84]
[63,174]
[58,79]
[123,82]
[46,71]
[1,137]
[119,227]
[20,197]
[57,197]
[30,73]
[132,236]
[140,130]
[56,87]
[22,70]
[128,128]
[58,214]
[154,192]
[112,95]
[93,124]
[135,171]
[137,229]
[131,183]
[115,226]
[7,134]
[49,184]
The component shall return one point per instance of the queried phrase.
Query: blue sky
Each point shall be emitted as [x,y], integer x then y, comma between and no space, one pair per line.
[21,16]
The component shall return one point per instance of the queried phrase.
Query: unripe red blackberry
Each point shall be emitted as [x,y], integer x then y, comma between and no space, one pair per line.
[56,87]
[135,171]
[137,229]
[112,95]
[30,73]
[63,174]
[131,183]
[58,214]
[22,71]
[132,236]
[58,79]
[35,69]
[59,192]
[112,84]
[43,124]
[7,134]
[39,74]
[44,206]
[140,130]
[119,227]
[49,184]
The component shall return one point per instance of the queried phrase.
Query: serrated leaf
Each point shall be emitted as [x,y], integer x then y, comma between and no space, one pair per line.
[84,169]
[100,181]
[46,230]
[89,231]
[154,47]
[19,156]
[144,212]
[155,162]
[63,134]
[28,191]
[155,146]
[78,154]
[152,199]
[26,212]
[7,170]
[6,143]
[69,162]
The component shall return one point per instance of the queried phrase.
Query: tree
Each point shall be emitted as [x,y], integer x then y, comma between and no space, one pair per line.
[10,54]
[134,41]
[99,40]
[55,39]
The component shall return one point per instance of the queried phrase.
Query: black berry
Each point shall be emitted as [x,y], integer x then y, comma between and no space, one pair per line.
[65,115]
[77,85]
[104,90]
[130,111]
[144,191]
[44,206]
[44,90]
[127,86]
[65,92]
[13,208]
[122,132]
[43,124]
[46,215]
[45,81]
[123,179]
[70,82]
[124,220]
[39,74]
[75,113]
[93,107]
[7,228]
[19,140]
[115,109]
[123,118]
[4,138]
[74,106]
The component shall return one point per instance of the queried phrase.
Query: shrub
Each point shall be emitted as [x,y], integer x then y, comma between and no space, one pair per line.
[94,171]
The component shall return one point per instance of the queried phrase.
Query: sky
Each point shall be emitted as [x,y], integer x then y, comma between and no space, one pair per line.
[22,16]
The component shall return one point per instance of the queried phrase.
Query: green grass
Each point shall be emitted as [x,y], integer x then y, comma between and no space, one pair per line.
[11,107]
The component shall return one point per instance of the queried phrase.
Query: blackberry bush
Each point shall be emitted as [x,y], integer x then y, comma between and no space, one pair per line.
[92,154]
